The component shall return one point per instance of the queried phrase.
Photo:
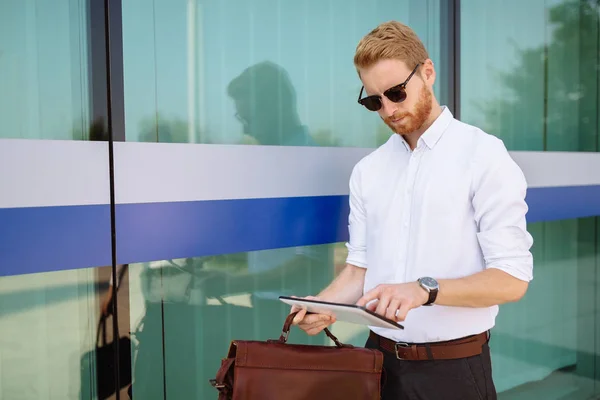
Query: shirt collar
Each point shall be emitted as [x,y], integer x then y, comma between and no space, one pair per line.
[433,134]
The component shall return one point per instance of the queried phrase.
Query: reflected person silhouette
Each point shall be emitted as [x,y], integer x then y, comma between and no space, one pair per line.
[266,106]
[189,315]
[265,102]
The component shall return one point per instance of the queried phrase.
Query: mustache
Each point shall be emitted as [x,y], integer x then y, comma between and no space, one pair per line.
[396,116]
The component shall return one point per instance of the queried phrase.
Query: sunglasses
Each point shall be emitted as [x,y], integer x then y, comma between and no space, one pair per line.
[397,94]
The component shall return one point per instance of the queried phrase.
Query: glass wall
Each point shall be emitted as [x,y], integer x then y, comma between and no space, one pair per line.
[529,72]
[241,128]
[54,212]
[44,90]
[186,65]
[529,75]
[264,72]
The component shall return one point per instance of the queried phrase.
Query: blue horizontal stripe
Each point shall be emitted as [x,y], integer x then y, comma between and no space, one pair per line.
[42,239]
[567,202]
[158,231]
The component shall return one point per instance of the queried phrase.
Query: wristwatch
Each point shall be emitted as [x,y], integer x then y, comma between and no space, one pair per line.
[431,286]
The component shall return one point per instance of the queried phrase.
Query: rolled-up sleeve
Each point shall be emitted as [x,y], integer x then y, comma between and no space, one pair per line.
[357,223]
[500,212]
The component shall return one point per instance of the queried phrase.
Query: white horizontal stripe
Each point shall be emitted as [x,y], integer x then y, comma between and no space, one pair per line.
[48,173]
[554,168]
[35,173]
[150,172]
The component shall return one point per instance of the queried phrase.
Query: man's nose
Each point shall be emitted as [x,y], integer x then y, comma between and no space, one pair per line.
[388,107]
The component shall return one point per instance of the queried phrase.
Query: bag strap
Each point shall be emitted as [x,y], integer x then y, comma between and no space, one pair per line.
[221,383]
[102,321]
[101,329]
[286,332]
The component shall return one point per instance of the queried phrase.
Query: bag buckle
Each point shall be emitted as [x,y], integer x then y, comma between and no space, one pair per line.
[284,336]
[216,384]
[402,345]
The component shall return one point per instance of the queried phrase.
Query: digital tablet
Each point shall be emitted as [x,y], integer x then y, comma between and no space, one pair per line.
[343,312]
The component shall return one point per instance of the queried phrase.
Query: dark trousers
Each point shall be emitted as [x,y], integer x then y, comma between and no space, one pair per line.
[461,379]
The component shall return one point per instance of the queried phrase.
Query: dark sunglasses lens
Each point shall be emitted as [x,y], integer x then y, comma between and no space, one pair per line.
[396,95]
[371,103]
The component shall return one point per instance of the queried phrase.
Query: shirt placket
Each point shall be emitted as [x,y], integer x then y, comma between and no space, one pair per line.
[405,227]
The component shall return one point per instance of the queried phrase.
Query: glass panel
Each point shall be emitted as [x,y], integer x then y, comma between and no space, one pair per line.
[48,327]
[529,75]
[531,78]
[186,312]
[54,207]
[543,347]
[44,91]
[181,58]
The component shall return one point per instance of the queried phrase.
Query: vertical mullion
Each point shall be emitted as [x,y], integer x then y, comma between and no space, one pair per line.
[116,132]
[107,117]
[450,54]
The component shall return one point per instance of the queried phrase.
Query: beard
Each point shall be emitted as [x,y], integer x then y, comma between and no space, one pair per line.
[412,121]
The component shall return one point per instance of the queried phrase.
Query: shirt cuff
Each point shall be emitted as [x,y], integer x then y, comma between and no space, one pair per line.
[520,269]
[356,257]
[507,249]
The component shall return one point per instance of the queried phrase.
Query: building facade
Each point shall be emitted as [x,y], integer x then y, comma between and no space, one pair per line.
[197,153]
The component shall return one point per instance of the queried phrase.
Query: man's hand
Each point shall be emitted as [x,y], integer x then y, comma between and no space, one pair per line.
[394,301]
[312,324]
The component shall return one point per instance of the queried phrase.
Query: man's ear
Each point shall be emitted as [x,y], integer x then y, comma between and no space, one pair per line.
[428,71]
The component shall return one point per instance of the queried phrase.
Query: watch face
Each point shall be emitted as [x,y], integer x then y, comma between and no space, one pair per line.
[429,282]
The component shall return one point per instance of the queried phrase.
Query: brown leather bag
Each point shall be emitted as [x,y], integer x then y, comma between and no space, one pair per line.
[275,370]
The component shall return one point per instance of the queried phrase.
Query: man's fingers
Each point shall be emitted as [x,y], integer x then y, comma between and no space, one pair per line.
[403,311]
[300,316]
[315,323]
[382,306]
[370,295]
[312,319]
[372,306]
[392,308]
[317,327]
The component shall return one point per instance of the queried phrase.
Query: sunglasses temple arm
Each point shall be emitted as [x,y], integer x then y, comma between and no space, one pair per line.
[412,73]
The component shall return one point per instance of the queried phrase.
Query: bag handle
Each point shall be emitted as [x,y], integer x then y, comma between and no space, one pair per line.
[286,332]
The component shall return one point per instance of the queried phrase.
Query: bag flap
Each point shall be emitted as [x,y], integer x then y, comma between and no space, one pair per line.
[293,356]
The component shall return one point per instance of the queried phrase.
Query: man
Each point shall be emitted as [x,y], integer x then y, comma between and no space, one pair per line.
[437,229]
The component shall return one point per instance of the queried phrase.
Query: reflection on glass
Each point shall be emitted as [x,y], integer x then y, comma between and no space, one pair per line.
[180,59]
[48,332]
[534,85]
[195,307]
[265,104]
[44,92]
[532,81]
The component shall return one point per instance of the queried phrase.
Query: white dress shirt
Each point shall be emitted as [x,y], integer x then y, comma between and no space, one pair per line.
[451,208]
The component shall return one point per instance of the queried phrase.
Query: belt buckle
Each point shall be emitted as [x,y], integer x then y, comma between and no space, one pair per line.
[403,345]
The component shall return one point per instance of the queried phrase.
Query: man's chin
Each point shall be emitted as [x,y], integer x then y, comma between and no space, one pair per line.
[402,130]
[397,128]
